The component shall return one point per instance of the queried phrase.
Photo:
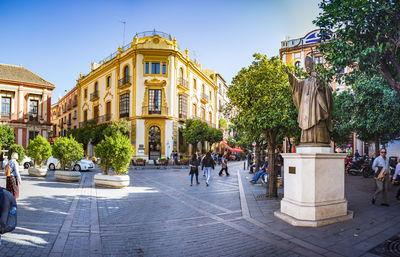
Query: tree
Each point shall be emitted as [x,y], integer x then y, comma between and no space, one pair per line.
[67,150]
[342,116]
[89,132]
[214,135]
[121,153]
[16,149]
[223,123]
[263,99]
[195,131]
[121,126]
[39,150]
[362,34]
[103,151]
[7,136]
[376,112]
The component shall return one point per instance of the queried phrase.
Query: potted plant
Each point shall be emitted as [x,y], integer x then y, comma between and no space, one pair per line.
[115,152]
[21,154]
[184,161]
[163,161]
[140,162]
[67,150]
[39,150]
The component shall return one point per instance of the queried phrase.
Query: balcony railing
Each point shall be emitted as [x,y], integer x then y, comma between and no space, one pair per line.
[94,95]
[184,83]
[74,103]
[124,115]
[5,116]
[204,97]
[69,107]
[33,117]
[59,113]
[124,81]
[69,122]
[150,110]
[64,110]
[74,117]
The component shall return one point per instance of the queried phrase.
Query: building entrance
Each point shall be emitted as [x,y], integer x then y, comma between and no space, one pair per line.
[154,143]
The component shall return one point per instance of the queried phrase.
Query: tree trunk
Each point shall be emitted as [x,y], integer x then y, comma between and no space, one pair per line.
[272,172]
[376,141]
[257,157]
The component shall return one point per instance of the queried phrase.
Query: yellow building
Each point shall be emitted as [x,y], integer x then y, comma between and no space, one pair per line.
[154,86]
[64,114]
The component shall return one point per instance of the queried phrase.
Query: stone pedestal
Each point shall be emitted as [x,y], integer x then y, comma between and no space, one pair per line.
[314,188]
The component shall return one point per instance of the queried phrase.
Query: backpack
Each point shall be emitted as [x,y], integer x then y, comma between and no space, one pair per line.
[8,213]
[7,170]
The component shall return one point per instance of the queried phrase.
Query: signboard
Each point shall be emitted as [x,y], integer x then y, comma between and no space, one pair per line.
[141,148]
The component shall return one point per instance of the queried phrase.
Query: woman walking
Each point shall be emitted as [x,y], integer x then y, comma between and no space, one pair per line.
[14,180]
[194,169]
[207,165]
[224,166]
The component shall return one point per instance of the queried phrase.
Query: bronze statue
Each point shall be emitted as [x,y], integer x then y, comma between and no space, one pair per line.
[315,104]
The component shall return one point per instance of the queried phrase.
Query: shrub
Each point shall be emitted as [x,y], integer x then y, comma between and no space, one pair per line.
[115,151]
[121,154]
[140,159]
[67,150]
[39,150]
[102,150]
[16,149]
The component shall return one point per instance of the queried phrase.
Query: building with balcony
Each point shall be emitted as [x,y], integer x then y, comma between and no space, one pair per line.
[155,86]
[25,103]
[64,114]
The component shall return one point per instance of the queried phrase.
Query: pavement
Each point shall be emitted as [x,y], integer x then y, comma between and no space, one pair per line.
[160,214]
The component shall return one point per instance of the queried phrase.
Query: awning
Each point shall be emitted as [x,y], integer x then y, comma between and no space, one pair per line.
[233,150]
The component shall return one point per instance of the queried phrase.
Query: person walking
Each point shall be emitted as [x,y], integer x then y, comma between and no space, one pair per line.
[194,169]
[176,157]
[248,160]
[207,164]
[14,180]
[224,166]
[396,178]
[1,159]
[381,185]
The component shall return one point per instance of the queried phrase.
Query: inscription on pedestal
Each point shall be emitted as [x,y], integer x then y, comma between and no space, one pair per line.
[292,170]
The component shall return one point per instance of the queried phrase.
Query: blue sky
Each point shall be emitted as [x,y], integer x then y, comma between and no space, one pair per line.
[59,39]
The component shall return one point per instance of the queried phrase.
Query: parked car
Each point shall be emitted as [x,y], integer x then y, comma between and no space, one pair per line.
[53,164]
[89,163]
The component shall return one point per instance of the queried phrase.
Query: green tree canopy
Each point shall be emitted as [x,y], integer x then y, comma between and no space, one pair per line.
[342,116]
[67,150]
[214,135]
[195,131]
[121,126]
[14,148]
[39,150]
[7,136]
[262,98]
[365,32]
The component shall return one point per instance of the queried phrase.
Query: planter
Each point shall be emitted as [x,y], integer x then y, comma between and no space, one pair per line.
[163,162]
[67,176]
[140,163]
[184,162]
[113,181]
[37,172]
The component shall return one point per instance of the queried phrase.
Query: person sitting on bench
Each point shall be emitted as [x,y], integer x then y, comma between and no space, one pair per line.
[261,173]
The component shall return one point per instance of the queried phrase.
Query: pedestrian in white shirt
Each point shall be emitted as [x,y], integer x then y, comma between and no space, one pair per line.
[381,186]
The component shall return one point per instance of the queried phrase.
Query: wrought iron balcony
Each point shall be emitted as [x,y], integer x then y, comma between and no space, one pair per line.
[69,122]
[94,95]
[33,117]
[74,103]
[184,83]
[64,110]
[74,117]
[204,97]
[124,81]
[123,114]
[69,107]
[151,110]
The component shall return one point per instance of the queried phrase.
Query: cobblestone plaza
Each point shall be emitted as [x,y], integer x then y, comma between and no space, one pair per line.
[159,214]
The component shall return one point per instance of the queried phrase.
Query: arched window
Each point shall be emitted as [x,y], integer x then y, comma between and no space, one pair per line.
[154,143]
[126,71]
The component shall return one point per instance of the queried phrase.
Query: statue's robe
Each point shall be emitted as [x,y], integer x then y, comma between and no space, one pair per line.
[315,106]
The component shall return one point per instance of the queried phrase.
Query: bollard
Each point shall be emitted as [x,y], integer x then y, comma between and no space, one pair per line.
[244,165]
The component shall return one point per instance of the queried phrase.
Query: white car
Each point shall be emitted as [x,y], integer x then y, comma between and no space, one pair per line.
[27,162]
[53,164]
[89,163]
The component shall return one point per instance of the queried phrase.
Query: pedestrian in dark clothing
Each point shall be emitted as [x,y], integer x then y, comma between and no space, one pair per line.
[207,164]
[224,166]
[176,157]
[1,160]
[194,169]
[396,178]
[248,160]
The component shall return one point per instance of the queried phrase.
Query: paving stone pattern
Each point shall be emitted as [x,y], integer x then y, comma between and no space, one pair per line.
[159,214]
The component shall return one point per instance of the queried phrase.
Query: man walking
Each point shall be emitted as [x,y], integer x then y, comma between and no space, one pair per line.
[381,162]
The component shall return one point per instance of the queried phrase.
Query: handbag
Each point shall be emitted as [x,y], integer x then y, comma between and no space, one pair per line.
[381,176]
[193,170]
[378,171]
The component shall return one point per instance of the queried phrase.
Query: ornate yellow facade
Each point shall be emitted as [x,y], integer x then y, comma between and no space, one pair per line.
[154,86]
